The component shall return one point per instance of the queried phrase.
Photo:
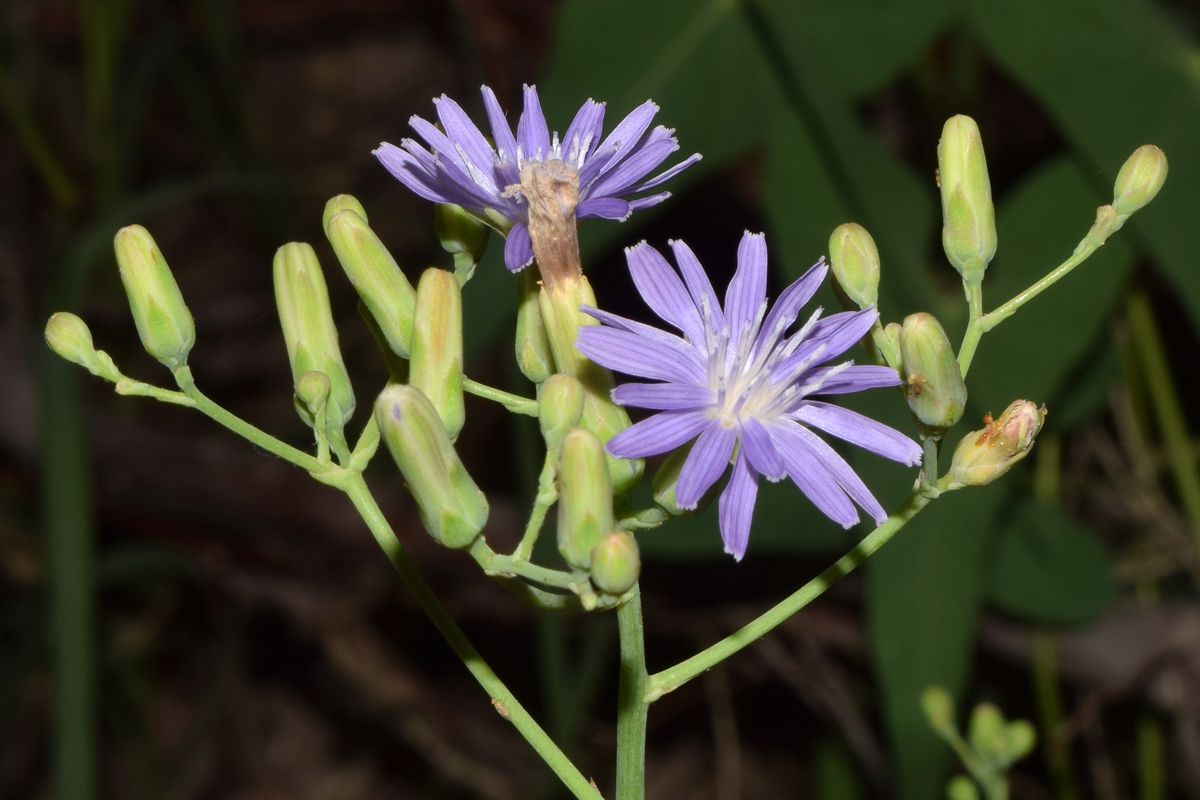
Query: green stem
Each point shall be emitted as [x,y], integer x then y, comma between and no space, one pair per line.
[633,706]
[183,376]
[1167,410]
[513,402]
[929,461]
[505,702]
[494,563]
[671,679]
[966,351]
[546,497]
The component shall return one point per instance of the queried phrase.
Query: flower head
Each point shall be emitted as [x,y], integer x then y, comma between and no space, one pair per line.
[743,387]
[494,179]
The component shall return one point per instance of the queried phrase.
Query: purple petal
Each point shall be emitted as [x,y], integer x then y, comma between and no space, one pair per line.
[518,248]
[502,135]
[587,125]
[438,141]
[660,433]
[788,306]
[748,289]
[664,292]
[829,338]
[842,472]
[707,460]
[623,173]
[736,507]
[667,174]
[630,129]
[532,133]
[593,166]
[604,208]
[852,379]
[634,355]
[463,132]
[758,447]
[664,396]
[639,203]
[859,430]
[699,286]
[811,476]
[672,343]
[409,171]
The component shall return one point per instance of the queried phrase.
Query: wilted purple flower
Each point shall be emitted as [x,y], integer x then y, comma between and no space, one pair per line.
[463,167]
[735,381]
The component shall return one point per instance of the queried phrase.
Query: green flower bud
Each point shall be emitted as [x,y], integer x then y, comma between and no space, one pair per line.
[163,320]
[984,455]
[312,395]
[969,221]
[667,478]
[68,335]
[961,787]
[615,562]
[384,290]
[437,346]
[986,731]
[933,382]
[459,232]
[533,348]
[1139,180]
[939,710]
[308,329]
[585,497]
[452,507]
[1020,738]
[560,403]
[855,263]
[562,319]
[339,203]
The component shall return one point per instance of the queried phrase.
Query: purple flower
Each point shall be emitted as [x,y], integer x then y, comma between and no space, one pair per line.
[737,382]
[461,166]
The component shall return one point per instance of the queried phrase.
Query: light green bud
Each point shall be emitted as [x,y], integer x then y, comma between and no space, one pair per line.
[437,346]
[459,232]
[986,731]
[1020,738]
[532,347]
[68,335]
[585,511]
[939,710]
[312,395]
[452,507]
[961,787]
[560,403]
[984,455]
[384,290]
[562,319]
[969,221]
[667,479]
[308,330]
[339,203]
[163,321]
[933,382]
[615,562]
[854,260]
[1139,180]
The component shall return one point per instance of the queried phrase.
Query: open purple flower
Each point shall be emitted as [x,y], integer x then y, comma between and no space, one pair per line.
[737,382]
[461,166]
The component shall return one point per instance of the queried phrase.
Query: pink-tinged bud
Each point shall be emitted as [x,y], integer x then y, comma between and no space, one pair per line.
[984,455]
[616,563]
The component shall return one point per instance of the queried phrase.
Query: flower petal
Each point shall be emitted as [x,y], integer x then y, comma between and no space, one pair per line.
[788,306]
[649,200]
[699,286]
[855,378]
[748,289]
[586,127]
[634,355]
[842,472]
[532,133]
[518,248]
[629,130]
[707,460]
[664,396]
[829,338]
[604,208]
[736,507]
[688,355]
[502,135]
[668,173]
[859,430]
[664,292]
[463,132]
[811,476]
[660,433]
[622,173]
[758,447]
[409,171]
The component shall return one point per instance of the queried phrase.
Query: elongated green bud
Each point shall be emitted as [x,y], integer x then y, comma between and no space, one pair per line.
[452,507]
[308,329]
[1139,180]
[312,396]
[969,221]
[68,335]
[615,562]
[585,511]
[437,346]
[384,290]
[339,203]
[854,260]
[984,455]
[560,403]
[666,480]
[559,305]
[163,321]
[939,710]
[532,347]
[459,232]
[933,382]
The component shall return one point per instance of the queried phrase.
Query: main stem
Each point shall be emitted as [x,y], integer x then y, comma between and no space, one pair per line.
[671,679]
[503,699]
[632,705]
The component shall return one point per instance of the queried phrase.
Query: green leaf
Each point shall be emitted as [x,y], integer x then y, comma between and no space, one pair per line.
[1049,569]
